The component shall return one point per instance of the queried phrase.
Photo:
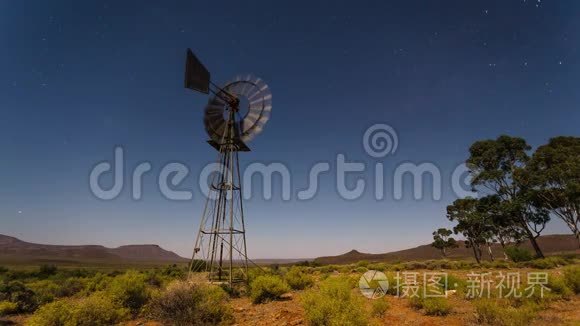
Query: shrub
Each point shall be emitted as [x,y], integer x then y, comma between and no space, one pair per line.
[394,285]
[572,278]
[455,283]
[187,304]
[18,293]
[267,287]
[70,287]
[94,310]
[97,309]
[47,270]
[493,312]
[297,279]
[45,290]
[379,307]
[3,270]
[56,313]
[558,286]
[361,269]
[414,265]
[333,304]
[500,264]
[8,308]
[518,254]
[436,306]
[432,306]
[377,266]
[129,290]
[547,263]
[362,263]
[97,282]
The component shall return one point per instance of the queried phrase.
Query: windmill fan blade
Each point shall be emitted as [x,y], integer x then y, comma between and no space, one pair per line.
[259,105]
[196,74]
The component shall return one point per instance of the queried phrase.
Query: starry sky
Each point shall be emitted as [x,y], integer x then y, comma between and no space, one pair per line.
[78,78]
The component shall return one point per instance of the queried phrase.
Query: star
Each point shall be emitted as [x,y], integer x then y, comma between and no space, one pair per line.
[19,212]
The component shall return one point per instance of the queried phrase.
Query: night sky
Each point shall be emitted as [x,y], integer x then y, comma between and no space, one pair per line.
[78,78]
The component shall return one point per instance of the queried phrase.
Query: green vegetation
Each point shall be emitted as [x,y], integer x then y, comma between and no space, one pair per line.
[7,308]
[187,304]
[521,193]
[518,254]
[129,290]
[333,304]
[432,306]
[572,278]
[379,308]
[297,279]
[267,287]
[495,312]
[97,309]
[442,240]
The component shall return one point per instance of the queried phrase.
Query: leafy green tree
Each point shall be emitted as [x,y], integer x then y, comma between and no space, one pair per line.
[498,168]
[442,240]
[470,223]
[555,172]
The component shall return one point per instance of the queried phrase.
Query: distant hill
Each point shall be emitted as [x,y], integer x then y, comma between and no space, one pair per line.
[13,249]
[550,244]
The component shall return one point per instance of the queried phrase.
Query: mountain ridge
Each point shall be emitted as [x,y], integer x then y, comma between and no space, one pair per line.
[16,249]
[550,244]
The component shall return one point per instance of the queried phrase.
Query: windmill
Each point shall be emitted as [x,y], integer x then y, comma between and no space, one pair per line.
[234,115]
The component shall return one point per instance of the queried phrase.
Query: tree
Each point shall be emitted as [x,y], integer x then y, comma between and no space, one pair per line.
[497,168]
[499,228]
[554,170]
[443,241]
[469,223]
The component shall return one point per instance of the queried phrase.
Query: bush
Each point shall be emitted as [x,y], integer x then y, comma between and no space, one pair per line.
[297,279]
[500,264]
[518,254]
[45,290]
[558,286]
[547,263]
[572,278]
[361,269]
[379,308]
[18,293]
[394,285]
[94,310]
[267,287]
[432,306]
[333,304]
[97,282]
[455,283]
[414,265]
[8,308]
[436,306]
[56,313]
[185,304]
[493,312]
[47,270]
[129,290]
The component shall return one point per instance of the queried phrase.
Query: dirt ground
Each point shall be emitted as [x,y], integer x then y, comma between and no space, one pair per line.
[290,312]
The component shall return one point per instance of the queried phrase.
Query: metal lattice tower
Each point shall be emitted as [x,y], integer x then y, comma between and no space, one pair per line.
[220,245]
